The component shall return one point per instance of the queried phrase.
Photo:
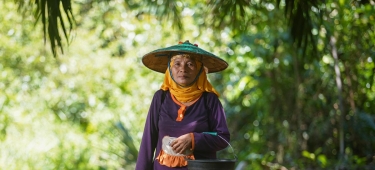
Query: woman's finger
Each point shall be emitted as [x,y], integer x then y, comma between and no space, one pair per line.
[177,149]
[175,144]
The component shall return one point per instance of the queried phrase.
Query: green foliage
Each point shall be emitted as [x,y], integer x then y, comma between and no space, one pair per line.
[61,113]
[286,107]
[284,104]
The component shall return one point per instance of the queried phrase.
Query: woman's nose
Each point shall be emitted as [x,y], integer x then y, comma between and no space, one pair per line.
[184,67]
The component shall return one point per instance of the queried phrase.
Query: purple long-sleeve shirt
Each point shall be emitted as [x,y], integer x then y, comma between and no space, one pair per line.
[203,116]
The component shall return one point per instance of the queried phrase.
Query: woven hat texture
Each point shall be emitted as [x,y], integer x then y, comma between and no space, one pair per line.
[158,60]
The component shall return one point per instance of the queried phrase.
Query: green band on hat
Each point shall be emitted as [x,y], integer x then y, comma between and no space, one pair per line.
[158,60]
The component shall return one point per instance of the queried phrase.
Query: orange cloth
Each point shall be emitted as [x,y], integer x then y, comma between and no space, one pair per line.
[173,161]
[181,111]
[192,141]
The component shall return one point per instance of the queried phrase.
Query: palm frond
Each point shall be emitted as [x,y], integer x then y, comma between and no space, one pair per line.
[48,11]
[229,13]
[168,10]
[301,20]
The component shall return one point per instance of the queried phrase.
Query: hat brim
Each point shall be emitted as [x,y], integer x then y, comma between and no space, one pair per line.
[158,60]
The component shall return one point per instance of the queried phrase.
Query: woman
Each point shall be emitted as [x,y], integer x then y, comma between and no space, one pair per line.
[185,107]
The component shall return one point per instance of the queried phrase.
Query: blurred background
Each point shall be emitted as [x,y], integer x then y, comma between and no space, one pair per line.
[299,91]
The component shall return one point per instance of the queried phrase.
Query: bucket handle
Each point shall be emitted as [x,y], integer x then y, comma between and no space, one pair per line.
[215,134]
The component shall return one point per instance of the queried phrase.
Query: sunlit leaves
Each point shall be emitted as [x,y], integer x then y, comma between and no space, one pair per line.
[279,101]
[316,157]
[61,111]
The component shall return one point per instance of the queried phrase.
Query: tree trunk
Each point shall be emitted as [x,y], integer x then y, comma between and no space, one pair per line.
[340,110]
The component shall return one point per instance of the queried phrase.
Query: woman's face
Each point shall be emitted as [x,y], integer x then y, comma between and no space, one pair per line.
[184,70]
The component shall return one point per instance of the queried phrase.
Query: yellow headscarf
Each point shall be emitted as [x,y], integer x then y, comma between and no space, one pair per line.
[191,93]
[187,94]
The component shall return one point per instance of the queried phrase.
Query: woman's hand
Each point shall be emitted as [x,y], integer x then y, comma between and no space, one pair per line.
[181,144]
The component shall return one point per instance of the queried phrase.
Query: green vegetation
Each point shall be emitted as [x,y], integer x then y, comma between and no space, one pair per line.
[295,98]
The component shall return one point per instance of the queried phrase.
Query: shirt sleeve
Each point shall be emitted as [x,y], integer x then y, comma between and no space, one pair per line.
[217,123]
[150,135]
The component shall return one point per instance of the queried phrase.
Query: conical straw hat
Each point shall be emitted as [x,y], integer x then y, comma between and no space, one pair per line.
[158,60]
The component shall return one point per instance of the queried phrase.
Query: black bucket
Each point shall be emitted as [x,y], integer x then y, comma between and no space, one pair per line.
[211,164]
